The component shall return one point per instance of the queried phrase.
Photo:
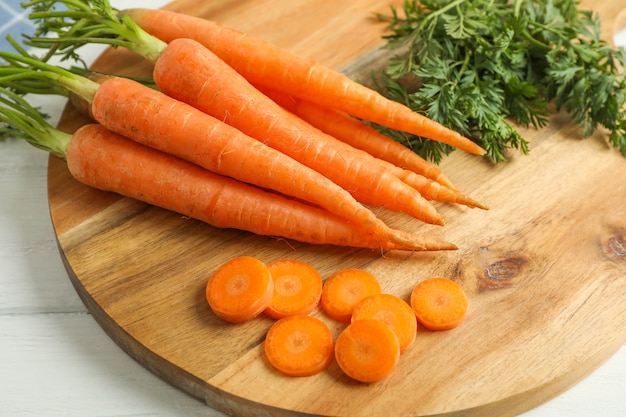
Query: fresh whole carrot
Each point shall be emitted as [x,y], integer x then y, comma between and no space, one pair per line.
[240,289]
[263,63]
[391,310]
[344,289]
[189,72]
[439,303]
[204,140]
[299,345]
[367,350]
[165,181]
[99,158]
[137,112]
[297,288]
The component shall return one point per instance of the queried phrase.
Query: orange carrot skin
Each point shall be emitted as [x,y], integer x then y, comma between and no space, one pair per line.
[402,162]
[358,134]
[123,105]
[107,161]
[299,76]
[191,73]
[137,112]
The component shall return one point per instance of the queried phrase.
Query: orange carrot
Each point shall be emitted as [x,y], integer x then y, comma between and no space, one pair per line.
[344,289]
[367,350]
[420,174]
[297,288]
[299,345]
[110,162]
[240,289]
[191,73]
[359,135]
[394,312]
[265,64]
[439,303]
[136,111]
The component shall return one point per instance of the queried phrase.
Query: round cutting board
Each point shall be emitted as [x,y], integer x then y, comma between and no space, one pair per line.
[544,268]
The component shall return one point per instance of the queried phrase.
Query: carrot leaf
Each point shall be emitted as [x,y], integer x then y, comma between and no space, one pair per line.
[63,26]
[19,119]
[483,67]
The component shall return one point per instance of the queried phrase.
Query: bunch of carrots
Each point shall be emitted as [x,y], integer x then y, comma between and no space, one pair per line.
[380,326]
[237,133]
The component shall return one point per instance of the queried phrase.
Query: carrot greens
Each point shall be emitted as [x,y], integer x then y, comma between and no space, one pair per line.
[480,67]
[63,26]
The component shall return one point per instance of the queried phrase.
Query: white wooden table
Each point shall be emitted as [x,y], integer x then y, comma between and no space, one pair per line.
[57,361]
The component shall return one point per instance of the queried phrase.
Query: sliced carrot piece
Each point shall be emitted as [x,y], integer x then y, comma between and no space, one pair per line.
[299,345]
[344,289]
[240,289]
[439,303]
[297,288]
[367,350]
[394,312]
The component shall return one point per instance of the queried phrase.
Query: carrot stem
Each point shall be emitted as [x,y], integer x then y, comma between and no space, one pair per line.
[25,122]
[86,22]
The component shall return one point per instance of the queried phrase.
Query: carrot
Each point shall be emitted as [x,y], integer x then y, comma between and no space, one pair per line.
[439,303]
[240,289]
[102,159]
[204,140]
[136,111]
[358,134]
[394,312]
[189,72]
[346,288]
[299,345]
[114,163]
[297,288]
[265,64]
[367,350]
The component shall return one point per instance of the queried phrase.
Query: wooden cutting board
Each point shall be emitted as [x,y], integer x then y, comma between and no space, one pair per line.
[544,268]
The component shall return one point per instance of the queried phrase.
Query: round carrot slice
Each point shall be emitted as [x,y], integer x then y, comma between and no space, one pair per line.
[394,312]
[299,345]
[367,350]
[240,289]
[439,303]
[297,288]
[344,289]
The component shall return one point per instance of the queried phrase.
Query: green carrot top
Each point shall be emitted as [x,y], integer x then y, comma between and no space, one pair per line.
[80,22]
[19,119]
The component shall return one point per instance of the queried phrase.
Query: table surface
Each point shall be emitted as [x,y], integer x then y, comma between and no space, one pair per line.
[57,361]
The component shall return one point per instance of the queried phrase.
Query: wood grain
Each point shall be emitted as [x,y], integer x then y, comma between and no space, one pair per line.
[544,269]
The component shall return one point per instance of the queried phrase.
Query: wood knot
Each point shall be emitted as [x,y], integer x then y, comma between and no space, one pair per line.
[505,270]
[613,244]
[502,272]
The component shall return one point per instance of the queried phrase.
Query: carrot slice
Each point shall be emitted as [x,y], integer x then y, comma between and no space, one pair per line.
[297,288]
[240,289]
[439,303]
[394,312]
[299,345]
[344,289]
[367,350]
